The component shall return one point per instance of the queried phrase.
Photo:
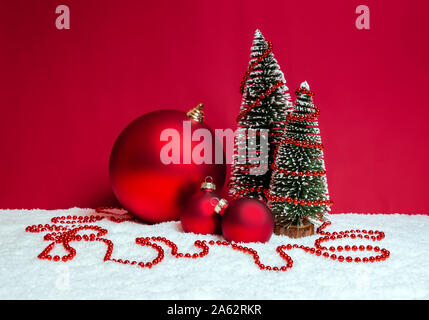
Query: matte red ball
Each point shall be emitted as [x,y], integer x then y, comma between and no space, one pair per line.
[199,214]
[247,220]
[151,190]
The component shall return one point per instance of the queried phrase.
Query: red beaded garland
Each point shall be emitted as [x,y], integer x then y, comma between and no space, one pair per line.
[295,201]
[254,64]
[66,234]
[263,95]
[258,101]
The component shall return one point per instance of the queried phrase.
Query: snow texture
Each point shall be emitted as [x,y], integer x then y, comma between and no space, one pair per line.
[222,274]
[258,34]
[305,85]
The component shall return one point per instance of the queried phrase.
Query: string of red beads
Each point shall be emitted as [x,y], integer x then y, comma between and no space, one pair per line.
[382,254]
[254,64]
[310,117]
[298,173]
[258,100]
[244,191]
[297,201]
[304,144]
[258,133]
[294,173]
[264,95]
[271,197]
[69,235]
[302,90]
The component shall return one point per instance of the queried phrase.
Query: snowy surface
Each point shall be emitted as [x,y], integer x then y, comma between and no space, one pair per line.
[222,274]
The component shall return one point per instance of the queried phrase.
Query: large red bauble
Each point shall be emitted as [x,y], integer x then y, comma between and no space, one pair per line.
[151,190]
[247,220]
[199,214]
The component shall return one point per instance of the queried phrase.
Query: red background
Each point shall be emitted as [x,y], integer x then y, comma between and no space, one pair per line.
[65,95]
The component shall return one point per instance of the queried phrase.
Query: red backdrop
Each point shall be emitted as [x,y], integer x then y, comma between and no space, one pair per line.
[65,95]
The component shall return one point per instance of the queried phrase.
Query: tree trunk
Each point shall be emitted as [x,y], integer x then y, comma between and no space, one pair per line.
[306,229]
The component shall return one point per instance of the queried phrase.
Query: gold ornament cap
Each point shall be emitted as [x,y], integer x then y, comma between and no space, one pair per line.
[208,184]
[197,113]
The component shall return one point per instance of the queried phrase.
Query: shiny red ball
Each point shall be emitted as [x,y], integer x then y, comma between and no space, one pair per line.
[151,190]
[199,214]
[247,220]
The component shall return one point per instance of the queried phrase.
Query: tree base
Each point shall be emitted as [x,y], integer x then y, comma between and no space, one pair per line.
[281,228]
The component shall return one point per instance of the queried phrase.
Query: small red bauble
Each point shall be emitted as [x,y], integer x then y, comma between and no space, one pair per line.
[247,220]
[199,215]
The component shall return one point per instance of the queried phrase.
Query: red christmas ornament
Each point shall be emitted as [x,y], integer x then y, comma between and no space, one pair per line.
[199,215]
[152,164]
[247,220]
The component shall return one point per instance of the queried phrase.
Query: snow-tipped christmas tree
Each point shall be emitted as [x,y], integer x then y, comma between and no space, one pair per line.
[264,106]
[298,188]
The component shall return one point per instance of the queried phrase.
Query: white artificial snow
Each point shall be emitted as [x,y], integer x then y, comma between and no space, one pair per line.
[305,85]
[222,274]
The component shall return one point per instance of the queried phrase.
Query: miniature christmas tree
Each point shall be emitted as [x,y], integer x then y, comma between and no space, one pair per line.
[298,189]
[261,122]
